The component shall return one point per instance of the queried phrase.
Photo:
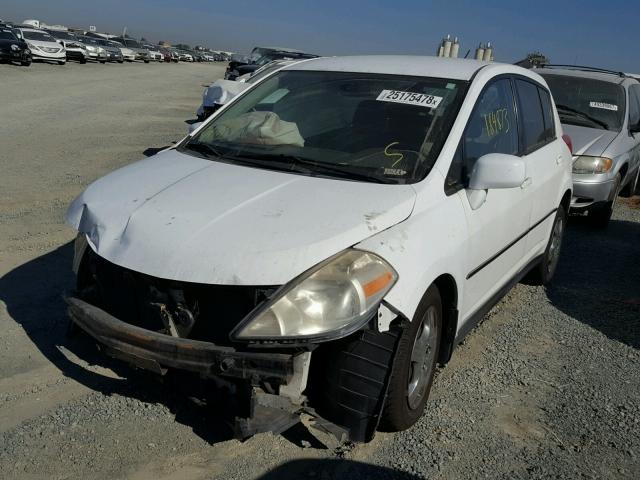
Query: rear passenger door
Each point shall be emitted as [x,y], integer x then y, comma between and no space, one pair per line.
[543,156]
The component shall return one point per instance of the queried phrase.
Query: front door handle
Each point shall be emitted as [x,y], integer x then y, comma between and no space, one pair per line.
[559,159]
[526,183]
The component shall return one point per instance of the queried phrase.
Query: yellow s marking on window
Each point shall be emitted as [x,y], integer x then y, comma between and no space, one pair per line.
[397,155]
[497,122]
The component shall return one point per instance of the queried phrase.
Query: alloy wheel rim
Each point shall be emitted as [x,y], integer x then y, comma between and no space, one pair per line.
[422,357]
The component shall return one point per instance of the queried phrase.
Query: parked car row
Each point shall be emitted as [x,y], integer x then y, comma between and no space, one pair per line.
[25,43]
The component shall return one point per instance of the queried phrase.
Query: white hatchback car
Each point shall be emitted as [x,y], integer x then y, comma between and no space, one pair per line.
[327,237]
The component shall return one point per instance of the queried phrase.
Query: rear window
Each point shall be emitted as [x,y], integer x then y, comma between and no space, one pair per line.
[588,102]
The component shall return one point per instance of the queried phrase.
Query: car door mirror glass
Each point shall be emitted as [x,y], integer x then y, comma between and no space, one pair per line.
[497,170]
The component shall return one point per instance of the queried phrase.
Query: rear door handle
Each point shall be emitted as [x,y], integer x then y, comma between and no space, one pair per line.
[526,183]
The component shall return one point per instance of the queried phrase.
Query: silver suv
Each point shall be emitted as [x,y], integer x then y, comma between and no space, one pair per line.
[600,111]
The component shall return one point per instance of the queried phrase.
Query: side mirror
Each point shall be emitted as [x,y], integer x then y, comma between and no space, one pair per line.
[193,127]
[497,170]
[494,170]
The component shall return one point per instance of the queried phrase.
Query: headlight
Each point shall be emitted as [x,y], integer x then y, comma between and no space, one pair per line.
[329,301]
[15,47]
[32,46]
[590,165]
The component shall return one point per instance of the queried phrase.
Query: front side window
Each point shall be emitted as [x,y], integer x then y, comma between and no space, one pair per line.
[531,116]
[587,102]
[634,105]
[491,128]
[369,127]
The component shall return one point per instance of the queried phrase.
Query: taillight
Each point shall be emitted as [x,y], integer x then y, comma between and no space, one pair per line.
[567,140]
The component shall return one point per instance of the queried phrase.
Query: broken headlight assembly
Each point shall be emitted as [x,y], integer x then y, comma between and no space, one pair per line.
[589,165]
[332,300]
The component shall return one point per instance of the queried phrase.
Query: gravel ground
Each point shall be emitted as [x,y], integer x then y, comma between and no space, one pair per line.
[547,387]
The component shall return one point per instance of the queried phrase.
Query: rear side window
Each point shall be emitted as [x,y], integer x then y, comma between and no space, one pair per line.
[547,114]
[531,116]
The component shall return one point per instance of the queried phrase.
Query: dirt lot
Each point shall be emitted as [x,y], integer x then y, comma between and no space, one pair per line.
[547,387]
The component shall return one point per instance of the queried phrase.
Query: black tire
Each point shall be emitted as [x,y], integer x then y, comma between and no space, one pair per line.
[146,61]
[26,63]
[543,273]
[350,377]
[599,216]
[103,61]
[61,62]
[401,410]
[83,61]
[120,61]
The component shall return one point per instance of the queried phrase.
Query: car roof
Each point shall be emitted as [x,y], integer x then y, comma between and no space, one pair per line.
[612,77]
[422,66]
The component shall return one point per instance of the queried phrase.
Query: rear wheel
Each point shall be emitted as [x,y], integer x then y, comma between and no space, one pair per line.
[543,273]
[599,216]
[414,365]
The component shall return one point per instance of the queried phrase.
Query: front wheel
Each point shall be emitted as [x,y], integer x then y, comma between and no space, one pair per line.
[61,62]
[543,273]
[103,61]
[26,63]
[414,365]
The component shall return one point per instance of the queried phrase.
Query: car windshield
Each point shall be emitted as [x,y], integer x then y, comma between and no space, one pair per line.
[363,126]
[38,36]
[588,102]
[63,35]
[90,40]
[5,35]
[132,43]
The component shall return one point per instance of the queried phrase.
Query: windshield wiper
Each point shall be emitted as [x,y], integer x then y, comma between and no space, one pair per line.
[577,113]
[205,149]
[313,166]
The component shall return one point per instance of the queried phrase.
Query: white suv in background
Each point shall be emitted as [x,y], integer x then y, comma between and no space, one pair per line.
[328,236]
[43,46]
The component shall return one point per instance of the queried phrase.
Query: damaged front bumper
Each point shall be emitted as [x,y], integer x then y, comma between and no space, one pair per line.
[158,353]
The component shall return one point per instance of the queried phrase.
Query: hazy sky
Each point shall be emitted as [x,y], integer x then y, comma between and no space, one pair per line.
[597,33]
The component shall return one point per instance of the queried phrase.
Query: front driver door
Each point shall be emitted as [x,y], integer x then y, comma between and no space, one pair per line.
[497,229]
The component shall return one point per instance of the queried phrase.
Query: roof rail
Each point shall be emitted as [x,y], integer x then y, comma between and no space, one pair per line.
[584,69]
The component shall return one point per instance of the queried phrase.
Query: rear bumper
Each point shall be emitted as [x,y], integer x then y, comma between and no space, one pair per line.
[157,352]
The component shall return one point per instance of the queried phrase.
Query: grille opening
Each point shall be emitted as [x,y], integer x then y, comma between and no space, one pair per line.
[142,300]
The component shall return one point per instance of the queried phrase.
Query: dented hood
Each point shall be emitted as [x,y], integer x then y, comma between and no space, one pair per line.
[184,218]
